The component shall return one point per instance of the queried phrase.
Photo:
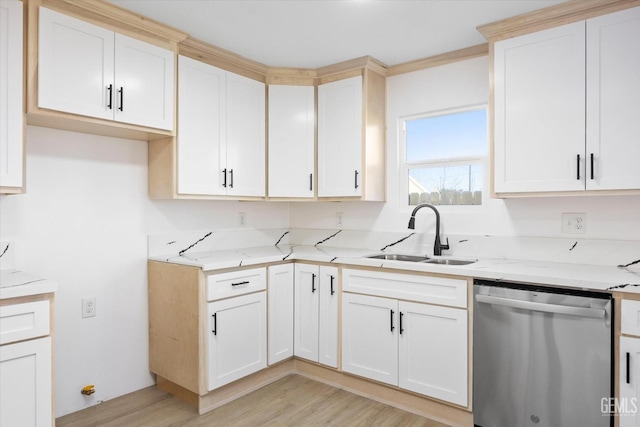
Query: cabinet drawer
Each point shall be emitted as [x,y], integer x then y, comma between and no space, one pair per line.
[24,321]
[235,283]
[630,314]
[434,290]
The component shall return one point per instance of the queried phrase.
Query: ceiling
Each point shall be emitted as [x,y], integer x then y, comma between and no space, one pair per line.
[316,33]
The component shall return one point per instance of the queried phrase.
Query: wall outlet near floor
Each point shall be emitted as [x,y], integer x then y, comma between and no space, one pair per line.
[574,223]
[339,219]
[88,307]
[242,218]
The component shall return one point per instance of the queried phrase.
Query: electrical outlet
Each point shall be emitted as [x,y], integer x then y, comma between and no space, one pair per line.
[88,307]
[242,218]
[574,223]
[339,219]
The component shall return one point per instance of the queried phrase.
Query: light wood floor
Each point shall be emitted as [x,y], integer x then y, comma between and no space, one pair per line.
[291,401]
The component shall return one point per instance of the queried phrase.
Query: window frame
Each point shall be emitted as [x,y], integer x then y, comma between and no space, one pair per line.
[404,166]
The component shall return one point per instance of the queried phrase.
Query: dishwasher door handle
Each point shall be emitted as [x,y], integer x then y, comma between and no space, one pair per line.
[598,313]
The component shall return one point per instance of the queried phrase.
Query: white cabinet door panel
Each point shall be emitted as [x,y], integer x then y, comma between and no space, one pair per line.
[340,121]
[613,100]
[144,83]
[540,111]
[245,136]
[291,141]
[306,311]
[433,351]
[237,338]
[11,102]
[75,66]
[629,381]
[25,389]
[328,317]
[370,337]
[280,300]
[201,127]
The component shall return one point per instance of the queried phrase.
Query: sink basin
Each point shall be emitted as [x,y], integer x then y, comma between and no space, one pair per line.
[398,257]
[448,261]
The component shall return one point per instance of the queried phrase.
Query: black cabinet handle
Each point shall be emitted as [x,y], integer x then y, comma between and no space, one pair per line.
[356,179]
[310,182]
[224,182]
[592,166]
[231,178]
[401,329]
[578,168]
[246,282]
[121,92]
[628,364]
[331,280]
[215,323]
[391,317]
[110,104]
[313,283]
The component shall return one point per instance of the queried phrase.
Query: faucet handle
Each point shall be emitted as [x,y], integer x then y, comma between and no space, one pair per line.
[445,246]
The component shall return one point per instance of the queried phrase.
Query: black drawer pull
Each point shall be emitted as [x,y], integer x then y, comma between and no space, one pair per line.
[592,173]
[313,283]
[246,282]
[215,323]
[121,108]
[401,329]
[224,182]
[628,365]
[310,182]
[110,104]
[331,279]
[578,168]
[231,178]
[391,317]
[356,179]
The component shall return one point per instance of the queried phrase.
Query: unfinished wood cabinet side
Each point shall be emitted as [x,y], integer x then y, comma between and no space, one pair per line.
[176,327]
[374,155]
[163,168]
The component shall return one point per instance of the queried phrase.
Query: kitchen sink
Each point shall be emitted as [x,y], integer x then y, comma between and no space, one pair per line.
[448,261]
[398,257]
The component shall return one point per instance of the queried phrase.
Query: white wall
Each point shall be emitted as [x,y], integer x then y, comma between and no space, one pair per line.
[84,223]
[466,83]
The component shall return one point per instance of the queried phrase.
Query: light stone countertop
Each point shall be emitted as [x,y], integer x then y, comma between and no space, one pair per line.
[578,276]
[17,283]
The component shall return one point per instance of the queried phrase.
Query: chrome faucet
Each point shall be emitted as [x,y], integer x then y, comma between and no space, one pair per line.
[437,246]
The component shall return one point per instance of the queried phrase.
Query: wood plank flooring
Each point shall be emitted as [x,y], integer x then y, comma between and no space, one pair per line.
[291,401]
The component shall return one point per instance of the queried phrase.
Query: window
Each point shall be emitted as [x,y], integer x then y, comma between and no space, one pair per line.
[444,157]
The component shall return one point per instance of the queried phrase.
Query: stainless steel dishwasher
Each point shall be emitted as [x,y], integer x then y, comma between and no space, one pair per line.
[541,356]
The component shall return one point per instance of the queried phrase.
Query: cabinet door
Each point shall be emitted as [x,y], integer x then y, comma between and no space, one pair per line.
[340,112]
[144,83]
[11,104]
[433,356]
[280,297]
[539,104]
[613,101]
[245,136]
[307,297]
[75,66]
[25,389]
[328,317]
[291,141]
[201,128]
[237,338]
[370,337]
[629,382]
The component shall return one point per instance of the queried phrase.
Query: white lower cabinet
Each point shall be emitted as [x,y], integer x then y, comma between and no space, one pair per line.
[280,313]
[418,347]
[627,402]
[237,338]
[316,314]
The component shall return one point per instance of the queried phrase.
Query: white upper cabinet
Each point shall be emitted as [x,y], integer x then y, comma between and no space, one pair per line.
[613,101]
[539,111]
[291,141]
[221,132]
[555,86]
[340,123]
[88,70]
[11,101]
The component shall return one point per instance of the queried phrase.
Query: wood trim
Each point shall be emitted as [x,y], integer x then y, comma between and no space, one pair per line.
[438,60]
[566,193]
[374,147]
[291,76]
[222,58]
[162,168]
[107,14]
[553,16]
[348,68]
